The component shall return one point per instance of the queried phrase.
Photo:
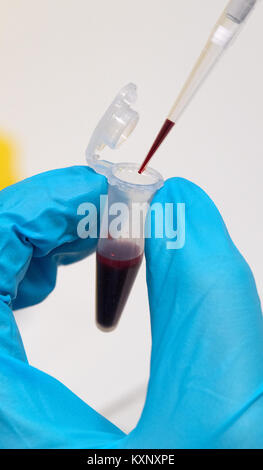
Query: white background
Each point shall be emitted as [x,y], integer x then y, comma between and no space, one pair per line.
[62,62]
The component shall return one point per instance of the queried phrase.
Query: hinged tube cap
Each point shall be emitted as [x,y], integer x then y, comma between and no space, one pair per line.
[114,128]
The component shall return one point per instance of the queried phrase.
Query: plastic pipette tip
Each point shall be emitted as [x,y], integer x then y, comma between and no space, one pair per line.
[167,126]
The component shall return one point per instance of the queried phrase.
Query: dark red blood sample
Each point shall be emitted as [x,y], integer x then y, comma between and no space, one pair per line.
[117,268]
[167,126]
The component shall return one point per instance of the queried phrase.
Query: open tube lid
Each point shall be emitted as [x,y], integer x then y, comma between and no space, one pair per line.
[113,129]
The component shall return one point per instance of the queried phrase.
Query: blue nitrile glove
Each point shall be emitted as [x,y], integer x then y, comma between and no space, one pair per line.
[206,377]
[38,231]
[207,359]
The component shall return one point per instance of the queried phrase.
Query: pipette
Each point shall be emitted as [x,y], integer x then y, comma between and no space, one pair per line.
[225,30]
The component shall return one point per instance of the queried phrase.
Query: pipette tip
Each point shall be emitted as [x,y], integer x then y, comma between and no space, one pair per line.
[167,126]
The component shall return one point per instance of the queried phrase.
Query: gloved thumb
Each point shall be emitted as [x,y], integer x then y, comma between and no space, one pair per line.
[207,331]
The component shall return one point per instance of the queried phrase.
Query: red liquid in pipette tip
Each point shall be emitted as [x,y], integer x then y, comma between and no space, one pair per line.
[117,268]
[167,126]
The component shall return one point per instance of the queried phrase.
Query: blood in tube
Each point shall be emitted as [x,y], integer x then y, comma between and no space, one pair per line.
[117,267]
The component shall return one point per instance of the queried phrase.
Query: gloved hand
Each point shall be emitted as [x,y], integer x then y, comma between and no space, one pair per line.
[206,376]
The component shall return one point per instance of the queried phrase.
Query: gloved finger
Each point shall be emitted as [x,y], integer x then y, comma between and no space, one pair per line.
[48,220]
[40,278]
[38,231]
[207,331]
[207,262]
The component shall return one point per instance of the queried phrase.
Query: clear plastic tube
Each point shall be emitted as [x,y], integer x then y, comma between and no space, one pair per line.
[121,244]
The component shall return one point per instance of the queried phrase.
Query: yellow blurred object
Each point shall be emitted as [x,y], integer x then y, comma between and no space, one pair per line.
[9,173]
